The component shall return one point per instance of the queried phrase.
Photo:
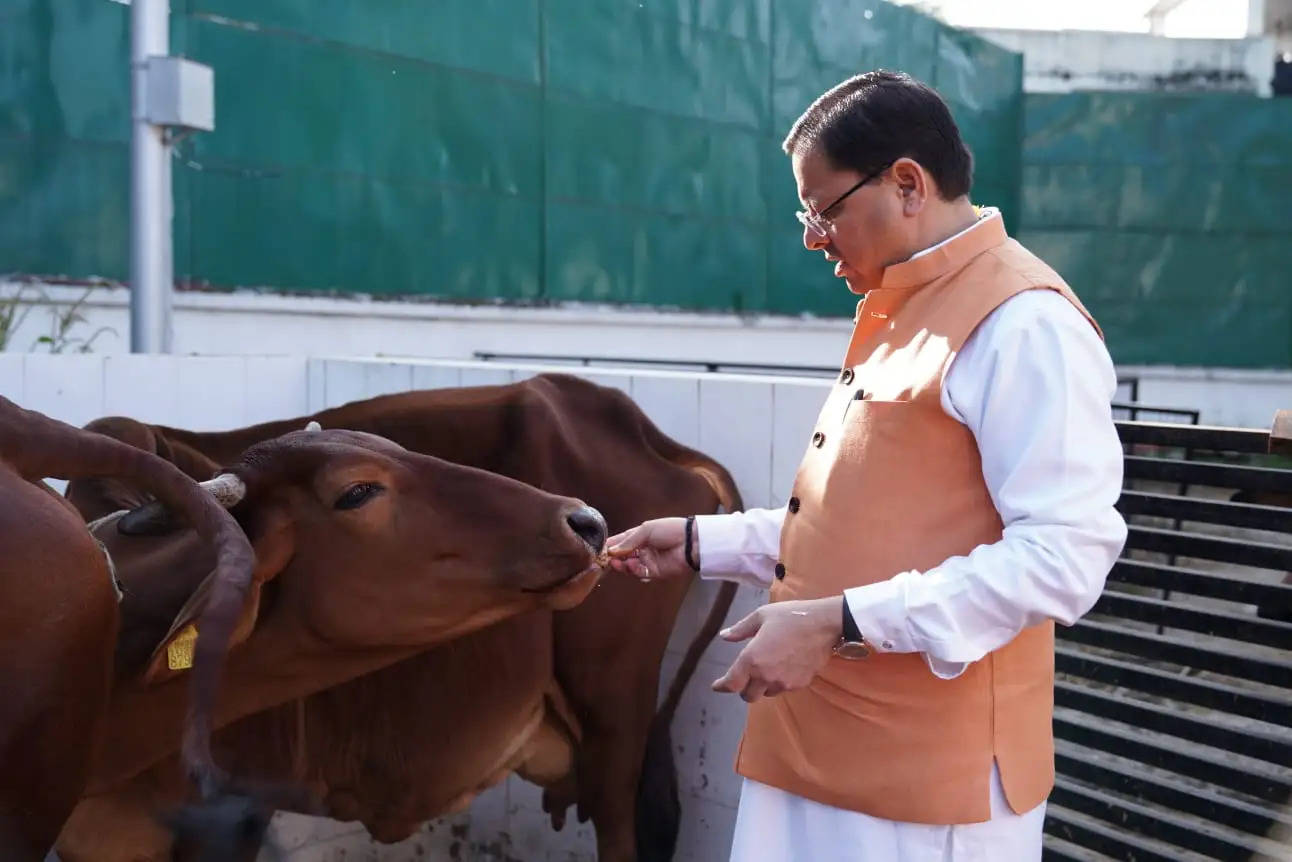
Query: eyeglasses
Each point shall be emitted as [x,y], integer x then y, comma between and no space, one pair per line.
[817,222]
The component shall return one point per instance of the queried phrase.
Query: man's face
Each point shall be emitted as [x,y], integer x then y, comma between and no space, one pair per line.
[866,231]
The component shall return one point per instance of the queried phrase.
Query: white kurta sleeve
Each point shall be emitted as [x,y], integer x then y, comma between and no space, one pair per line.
[740,546]
[1034,384]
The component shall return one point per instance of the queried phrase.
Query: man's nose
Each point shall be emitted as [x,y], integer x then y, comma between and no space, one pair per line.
[812,240]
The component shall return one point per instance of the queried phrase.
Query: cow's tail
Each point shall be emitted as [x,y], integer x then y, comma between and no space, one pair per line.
[40,447]
[659,811]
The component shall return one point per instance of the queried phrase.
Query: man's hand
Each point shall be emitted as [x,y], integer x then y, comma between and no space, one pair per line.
[791,642]
[653,550]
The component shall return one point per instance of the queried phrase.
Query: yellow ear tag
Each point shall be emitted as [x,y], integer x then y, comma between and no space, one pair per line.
[179,652]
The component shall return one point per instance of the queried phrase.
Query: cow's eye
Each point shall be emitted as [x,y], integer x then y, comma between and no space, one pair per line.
[356,495]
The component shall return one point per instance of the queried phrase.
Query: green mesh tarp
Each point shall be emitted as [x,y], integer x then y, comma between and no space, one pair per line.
[617,151]
[1171,215]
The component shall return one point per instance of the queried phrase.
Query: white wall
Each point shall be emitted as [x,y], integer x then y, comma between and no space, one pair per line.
[273,324]
[1061,61]
[757,427]
[220,325]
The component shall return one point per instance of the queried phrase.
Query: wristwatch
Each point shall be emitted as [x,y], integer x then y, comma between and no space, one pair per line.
[852,643]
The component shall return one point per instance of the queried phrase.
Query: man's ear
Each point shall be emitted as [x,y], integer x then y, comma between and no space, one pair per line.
[912,184]
[174,655]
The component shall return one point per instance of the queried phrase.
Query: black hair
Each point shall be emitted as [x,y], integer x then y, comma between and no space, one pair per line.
[874,119]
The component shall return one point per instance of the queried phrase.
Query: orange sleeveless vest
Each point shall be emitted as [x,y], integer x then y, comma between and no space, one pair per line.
[890,483]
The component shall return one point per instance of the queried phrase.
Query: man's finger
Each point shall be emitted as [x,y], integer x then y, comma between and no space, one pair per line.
[735,679]
[745,629]
[753,691]
[623,544]
[638,567]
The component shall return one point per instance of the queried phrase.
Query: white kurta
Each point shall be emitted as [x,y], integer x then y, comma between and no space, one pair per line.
[1033,384]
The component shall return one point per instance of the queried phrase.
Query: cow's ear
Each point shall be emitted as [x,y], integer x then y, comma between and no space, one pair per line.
[174,655]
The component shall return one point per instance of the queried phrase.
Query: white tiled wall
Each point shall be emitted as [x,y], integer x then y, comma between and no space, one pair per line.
[756,427]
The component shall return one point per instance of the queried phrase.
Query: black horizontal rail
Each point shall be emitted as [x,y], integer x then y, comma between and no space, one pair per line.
[1205,729]
[1056,849]
[705,364]
[1089,832]
[1221,624]
[1135,409]
[1173,650]
[1223,697]
[1132,779]
[1206,473]
[1261,555]
[1277,519]
[1210,437]
[1216,585]
[1198,763]
[1156,823]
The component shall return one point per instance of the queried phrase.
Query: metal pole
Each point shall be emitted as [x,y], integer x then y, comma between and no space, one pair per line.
[151,273]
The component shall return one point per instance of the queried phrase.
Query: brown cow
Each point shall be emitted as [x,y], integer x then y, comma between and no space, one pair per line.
[58,620]
[365,554]
[527,695]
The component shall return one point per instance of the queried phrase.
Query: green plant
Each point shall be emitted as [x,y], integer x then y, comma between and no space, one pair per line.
[61,321]
[63,318]
[13,311]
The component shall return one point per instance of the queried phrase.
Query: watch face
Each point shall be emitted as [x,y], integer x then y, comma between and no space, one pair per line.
[852,650]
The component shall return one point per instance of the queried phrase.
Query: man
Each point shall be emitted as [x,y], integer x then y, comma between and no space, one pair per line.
[955,499]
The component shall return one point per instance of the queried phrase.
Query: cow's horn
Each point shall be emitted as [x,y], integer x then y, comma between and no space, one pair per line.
[227,489]
[313,426]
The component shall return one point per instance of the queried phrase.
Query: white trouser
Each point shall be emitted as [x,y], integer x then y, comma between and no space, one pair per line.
[775,826]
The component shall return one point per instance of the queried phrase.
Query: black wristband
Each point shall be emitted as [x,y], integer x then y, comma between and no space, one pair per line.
[850,630]
[690,558]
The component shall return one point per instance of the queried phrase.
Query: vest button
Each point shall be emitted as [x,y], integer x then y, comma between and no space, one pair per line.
[818,439]
[846,377]
[793,505]
[780,571]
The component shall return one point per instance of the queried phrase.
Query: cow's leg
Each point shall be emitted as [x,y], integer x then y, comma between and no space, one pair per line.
[118,826]
[608,664]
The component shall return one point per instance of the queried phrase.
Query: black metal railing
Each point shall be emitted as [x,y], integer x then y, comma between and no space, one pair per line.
[1173,697]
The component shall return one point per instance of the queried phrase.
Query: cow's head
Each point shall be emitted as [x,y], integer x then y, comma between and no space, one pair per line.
[362,544]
